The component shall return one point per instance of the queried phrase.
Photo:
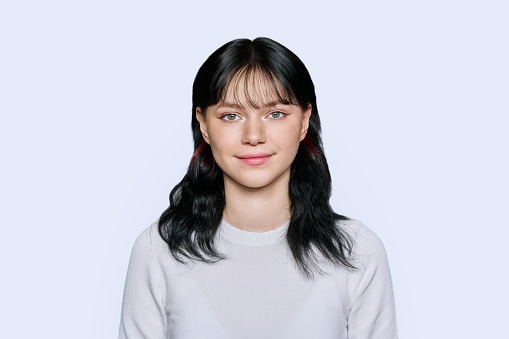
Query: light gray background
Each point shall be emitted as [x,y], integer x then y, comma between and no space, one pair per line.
[95,100]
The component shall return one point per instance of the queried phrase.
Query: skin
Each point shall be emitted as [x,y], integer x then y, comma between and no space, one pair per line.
[256,195]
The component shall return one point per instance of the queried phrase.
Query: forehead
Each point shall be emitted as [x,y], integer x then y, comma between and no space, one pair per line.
[255,88]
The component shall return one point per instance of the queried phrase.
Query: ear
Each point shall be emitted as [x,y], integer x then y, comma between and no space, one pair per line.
[200,116]
[305,121]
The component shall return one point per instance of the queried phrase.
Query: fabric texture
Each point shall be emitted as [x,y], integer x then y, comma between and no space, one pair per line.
[257,291]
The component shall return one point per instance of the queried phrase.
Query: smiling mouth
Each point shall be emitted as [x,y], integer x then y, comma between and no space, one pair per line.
[254,158]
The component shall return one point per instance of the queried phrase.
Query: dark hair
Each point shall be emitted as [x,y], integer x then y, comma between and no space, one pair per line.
[197,203]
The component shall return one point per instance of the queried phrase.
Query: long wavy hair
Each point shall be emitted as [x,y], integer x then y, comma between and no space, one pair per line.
[190,223]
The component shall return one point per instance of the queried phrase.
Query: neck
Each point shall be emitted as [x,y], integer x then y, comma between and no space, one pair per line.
[257,209]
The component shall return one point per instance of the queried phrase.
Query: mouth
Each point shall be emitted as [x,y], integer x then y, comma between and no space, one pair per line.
[254,158]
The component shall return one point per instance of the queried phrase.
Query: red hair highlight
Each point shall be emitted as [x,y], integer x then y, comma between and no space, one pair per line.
[203,154]
[310,147]
[199,150]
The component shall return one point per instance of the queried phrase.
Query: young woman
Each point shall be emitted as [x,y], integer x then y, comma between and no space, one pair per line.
[250,247]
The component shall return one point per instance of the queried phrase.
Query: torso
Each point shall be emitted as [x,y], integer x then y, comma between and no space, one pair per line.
[257,292]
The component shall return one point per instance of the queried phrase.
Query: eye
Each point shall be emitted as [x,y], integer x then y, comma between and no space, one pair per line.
[230,117]
[276,115]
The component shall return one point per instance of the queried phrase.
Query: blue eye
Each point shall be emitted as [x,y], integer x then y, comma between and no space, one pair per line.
[276,115]
[230,117]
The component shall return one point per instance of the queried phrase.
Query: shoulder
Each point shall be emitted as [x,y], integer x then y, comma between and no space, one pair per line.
[369,258]
[366,244]
[372,311]
[149,243]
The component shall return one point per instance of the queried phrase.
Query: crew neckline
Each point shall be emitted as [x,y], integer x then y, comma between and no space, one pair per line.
[236,235]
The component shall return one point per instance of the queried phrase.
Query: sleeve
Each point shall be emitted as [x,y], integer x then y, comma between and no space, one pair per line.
[143,312]
[372,313]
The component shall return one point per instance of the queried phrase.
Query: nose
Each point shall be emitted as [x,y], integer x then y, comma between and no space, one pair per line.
[254,132]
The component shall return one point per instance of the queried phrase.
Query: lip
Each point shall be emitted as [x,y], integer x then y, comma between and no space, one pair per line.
[254,158]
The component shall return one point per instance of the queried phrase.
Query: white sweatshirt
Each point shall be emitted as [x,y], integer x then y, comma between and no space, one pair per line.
[257,292]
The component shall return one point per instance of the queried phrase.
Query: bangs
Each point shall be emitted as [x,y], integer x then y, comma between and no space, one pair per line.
[254,85]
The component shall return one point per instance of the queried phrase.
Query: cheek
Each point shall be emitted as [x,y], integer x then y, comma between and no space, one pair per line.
[288,137]
[221,145]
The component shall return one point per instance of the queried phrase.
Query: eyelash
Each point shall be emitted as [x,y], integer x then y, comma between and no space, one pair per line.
[281,114]
[224,116]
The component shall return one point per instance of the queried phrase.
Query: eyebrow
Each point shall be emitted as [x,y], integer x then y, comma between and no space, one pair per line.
[235,105]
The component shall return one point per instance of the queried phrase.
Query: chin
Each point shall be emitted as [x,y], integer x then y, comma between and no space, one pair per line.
[256,185]
[256,181]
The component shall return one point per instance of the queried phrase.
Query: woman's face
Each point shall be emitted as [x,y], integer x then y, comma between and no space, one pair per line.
[254,147]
